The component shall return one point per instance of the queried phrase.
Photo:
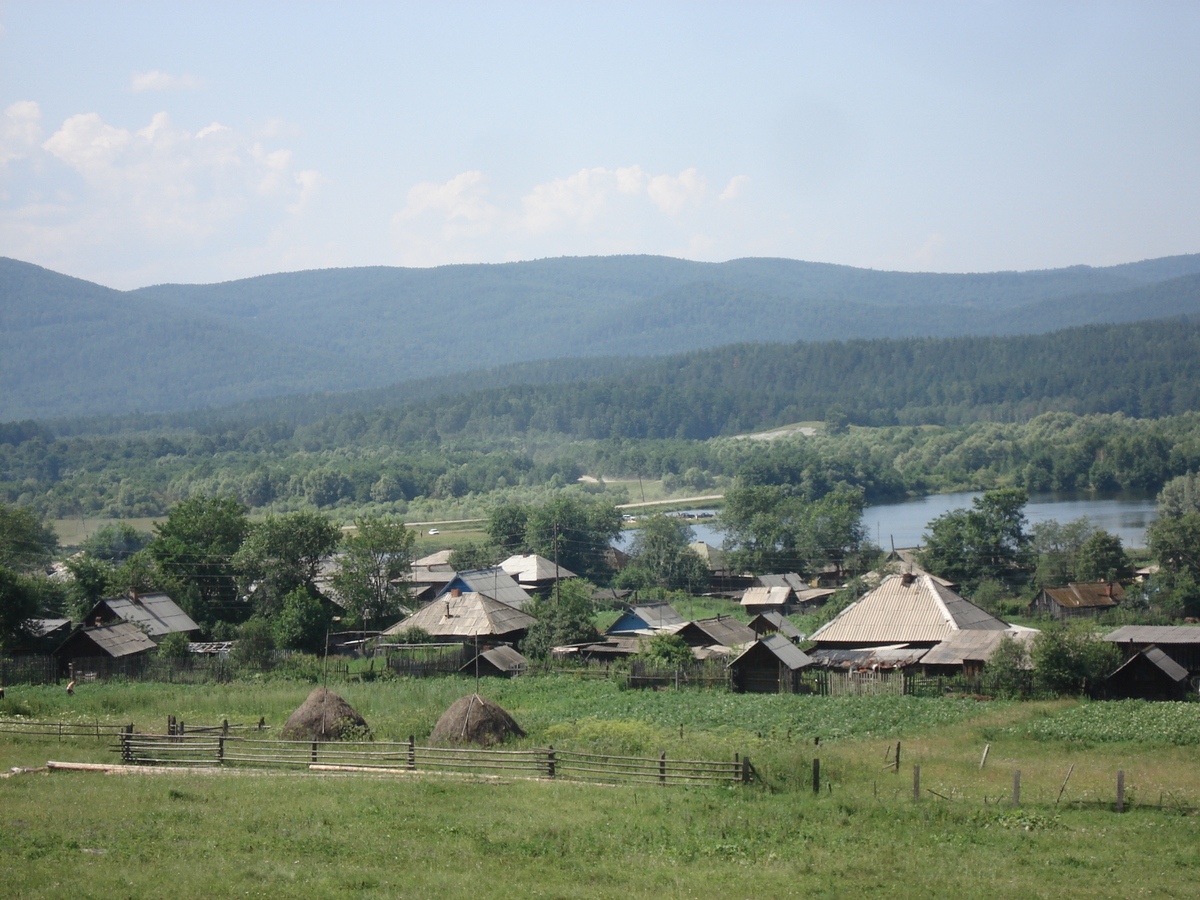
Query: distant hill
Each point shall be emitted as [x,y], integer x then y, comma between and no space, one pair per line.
[71,348]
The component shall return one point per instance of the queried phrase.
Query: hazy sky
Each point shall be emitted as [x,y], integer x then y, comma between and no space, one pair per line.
[150,142]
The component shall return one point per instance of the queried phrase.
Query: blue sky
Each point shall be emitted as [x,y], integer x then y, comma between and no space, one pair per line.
[199,142]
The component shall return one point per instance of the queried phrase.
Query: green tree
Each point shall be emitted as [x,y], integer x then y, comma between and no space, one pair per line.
[25,543]
[471,555]
[1102,558]
[1006,674]
[1071,659]
[173,646]
[567,619]
[579,530]
[372,560]
[255,644]
[987,541]
[1175,543]
[661,557]
[666,651]
[506,527]
[91,582]
[281,554]
[195,547]
[1056,548]
[1180,496]
[303,623]
[115,542]
[18,604]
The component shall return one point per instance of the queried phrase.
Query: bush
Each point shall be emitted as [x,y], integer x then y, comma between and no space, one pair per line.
[1071,660]
[173,646]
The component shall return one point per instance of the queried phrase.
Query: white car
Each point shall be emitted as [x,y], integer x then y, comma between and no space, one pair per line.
[434,531]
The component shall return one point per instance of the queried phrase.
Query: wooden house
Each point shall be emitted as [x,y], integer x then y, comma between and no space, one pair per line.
[534,573]
[156,614]
[646,619]
[465,617]
[968,652]
[1077,600]
[770,665]
[1180,642]
[1147,675]
[780,599]
[715,636]
[114,641]
[914,610]
[493,582]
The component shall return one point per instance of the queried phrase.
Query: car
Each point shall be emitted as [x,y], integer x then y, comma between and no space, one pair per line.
[434,531]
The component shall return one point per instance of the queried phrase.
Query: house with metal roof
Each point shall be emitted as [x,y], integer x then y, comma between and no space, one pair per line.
[156,614]
[1077,600]
[533,572]
[1180,642]
[718,633]
[770,665]
[647,619]
[493,582]
[779,599]
[904,609]
[466,616]
[115,640]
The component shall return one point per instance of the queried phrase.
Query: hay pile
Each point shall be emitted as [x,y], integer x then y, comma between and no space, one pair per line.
[325,716]
[473,720]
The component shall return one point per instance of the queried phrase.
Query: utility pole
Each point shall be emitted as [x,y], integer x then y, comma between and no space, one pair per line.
[557,592]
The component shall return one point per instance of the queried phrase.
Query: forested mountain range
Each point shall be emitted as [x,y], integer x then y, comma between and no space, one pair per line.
[71,348]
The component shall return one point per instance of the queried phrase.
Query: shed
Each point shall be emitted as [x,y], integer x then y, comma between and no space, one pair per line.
[497,661]
[1148,675]
[770,665]
[905,609]
[118,640]
[1180,642]
[720,631]
[157,614]
[768,599]
[1077,600]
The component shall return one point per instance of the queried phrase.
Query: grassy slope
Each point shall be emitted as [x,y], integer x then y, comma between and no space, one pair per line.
[243,835]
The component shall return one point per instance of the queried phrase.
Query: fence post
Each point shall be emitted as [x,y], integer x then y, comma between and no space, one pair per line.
[1121,790]
[896,771]
[662,767]
[916,782]
[126,754]
[412,752]
[221,750]
[314,751]
[225,727]
[816,776]
[745,770]
[1017,788]
[550,761]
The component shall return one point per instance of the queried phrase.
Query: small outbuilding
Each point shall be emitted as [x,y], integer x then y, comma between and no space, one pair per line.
[1148,675]
[771,622]
[647,619]
[502,661]
[116,641]
[156,614]
[1077,600]
[770,665]
[780,599]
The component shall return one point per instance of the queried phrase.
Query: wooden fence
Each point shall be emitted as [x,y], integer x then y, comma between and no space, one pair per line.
[61,730]
[28,670]
[377,756]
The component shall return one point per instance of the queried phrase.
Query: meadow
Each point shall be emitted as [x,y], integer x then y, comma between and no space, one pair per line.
[267,834]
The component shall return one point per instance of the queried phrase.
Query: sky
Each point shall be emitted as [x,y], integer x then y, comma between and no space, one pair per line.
[143,143]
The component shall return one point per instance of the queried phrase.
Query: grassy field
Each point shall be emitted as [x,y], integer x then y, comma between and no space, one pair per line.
[243,834]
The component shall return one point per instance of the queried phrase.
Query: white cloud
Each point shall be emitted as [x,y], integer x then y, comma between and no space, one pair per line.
[101,192]
[155,80]
[928,253]
[736,187]
[672,194]
[20,130]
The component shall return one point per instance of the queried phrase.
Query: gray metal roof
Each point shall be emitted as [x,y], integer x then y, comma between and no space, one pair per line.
[469,615]
[906,609]
[441,558]
[158,614]
[653,617]
[779,595]
[1161,661]
[778,622]
[494,583]
[725,631]
[783,650]
[976,646]
[787,579]
[118,639]
[1155,634]
[894,657]
[529,568]
[504,658]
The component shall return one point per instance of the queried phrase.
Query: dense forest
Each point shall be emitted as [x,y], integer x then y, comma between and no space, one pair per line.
[71,348]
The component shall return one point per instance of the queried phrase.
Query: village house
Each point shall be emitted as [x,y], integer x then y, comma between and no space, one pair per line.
[770,665]
[493,582]
[534,573]
[466,617]
[1077,600]
[156,614]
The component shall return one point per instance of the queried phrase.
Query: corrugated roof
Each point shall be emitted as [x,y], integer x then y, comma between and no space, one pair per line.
[1086,596]
[529,568]
[441,558]
[119,639]
[713,556]
[906,609]
[898,656]
[977,646]
[504,658]
[494,583]
[767,596]
[647,619]
[787,579]
[782,649]
[1155,634]
[468,615]
[776,621]
[1159,660]
[158,614]
[725,631]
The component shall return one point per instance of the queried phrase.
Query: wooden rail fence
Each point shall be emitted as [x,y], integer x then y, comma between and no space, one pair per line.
[61,730]
[546,762]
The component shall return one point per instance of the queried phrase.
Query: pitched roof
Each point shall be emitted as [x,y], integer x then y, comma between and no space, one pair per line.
[1155,634]
[441,558]
[781,648]
[158,614]
[504,658]
[117,639]
[1160,661]
[787,579]
[468,615]
[1098,595]
[647,619]
[714,557]
[775,621]
[725,631]
[906,609]
[529,568]
[767,596]
[897,656]
[975,646]
[494,583]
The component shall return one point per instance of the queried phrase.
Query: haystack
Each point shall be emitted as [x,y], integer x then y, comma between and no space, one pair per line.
[473,720]
[324,716]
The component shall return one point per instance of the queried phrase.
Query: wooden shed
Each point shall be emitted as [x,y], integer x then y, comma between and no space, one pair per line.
[1148,675]
[1180,642]
[770,665]
[115,641]
[1077,600]
[501,661]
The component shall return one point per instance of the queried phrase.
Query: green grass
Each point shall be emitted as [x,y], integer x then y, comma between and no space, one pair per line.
[269,835]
